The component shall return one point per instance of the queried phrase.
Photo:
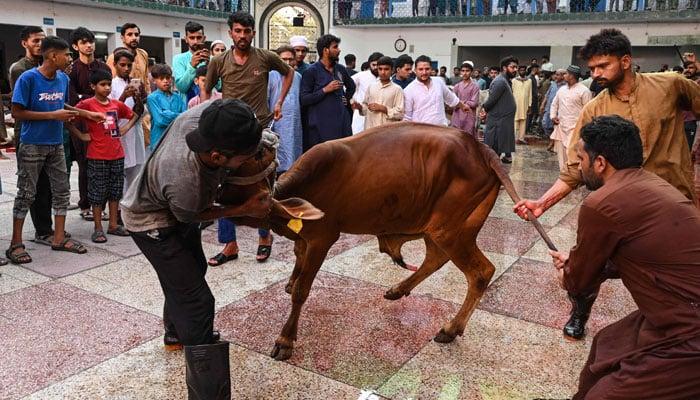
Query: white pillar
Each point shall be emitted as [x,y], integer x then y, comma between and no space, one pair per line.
[560,56]
[114,40]
[172,47]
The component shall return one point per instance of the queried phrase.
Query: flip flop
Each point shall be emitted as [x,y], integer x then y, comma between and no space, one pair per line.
[77,247]
[118,231]
[87,215]
[98,237]
[264,252]
[221,258]
[20,258]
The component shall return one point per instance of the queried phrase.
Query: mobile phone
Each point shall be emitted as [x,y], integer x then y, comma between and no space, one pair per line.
[110,123]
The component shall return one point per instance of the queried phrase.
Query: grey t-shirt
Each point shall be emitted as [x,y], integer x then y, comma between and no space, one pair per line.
[174,186]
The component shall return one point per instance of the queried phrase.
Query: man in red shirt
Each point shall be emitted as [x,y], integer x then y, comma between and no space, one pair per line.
[105,154]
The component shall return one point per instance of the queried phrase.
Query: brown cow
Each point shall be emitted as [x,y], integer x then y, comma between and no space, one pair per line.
[399,182]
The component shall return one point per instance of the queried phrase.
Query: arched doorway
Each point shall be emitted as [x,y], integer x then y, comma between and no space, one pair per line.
[282,21]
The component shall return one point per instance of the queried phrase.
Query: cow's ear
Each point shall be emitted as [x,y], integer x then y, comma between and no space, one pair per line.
[295,208]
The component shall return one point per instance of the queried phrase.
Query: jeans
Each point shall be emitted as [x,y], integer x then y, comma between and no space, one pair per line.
[177,256]
[227,231]
[33,159]
[40,210]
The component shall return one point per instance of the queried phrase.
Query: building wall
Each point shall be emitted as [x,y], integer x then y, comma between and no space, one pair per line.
[436,41]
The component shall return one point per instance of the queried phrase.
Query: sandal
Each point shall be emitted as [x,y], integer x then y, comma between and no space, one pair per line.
[221,258]
[87,215]
[118,231]
[76,247]
[46,240]
[2,262]
[264,252]
[105,216]
[18,258]
[98,237]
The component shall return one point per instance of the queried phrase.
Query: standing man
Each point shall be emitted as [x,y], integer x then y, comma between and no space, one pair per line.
[384,100]
[326,90]
[522,91]
[40,209]
[499,111]
[364,80]
[457,75]
[637,227]
[130,35]
[546,65]
[185,64]
[301,49]
[633,96]
[468,93]
[565,111]
[289,126]
[162,211]
[83,41]
[547,124]
[534,75]
[493,73]
[403,68]
[244,72]
[350,61]
[425,98]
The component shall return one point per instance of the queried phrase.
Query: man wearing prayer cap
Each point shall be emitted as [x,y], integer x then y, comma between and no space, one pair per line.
[301,49]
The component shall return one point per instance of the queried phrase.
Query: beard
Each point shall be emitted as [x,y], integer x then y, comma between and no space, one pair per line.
[611,84]
[134,44]
[510,75]
[243,45]
[591,180]
[333,58]
[374,72]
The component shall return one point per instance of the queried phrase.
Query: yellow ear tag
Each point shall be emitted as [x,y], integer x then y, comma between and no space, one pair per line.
[295,224]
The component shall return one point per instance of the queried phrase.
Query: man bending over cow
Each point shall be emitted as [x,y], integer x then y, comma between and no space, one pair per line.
[162,210]
[640,228]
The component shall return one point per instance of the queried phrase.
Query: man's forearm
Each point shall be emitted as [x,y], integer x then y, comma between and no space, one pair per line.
[558,191]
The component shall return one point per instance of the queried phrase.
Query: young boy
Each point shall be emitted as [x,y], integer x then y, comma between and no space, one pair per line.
[83,42]
[132,92]
[383,101]
[200,79]
[38,100]
[163,104]
[105,155]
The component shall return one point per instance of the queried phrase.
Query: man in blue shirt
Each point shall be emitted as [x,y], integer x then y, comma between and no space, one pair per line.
[326,90]
[39,101]
[185,64]
[403,67]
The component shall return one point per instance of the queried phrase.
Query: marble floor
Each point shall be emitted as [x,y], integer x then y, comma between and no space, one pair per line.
[89,326]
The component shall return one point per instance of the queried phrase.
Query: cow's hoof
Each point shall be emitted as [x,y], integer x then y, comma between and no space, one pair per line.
[443,337]
[288,288]
[392,294]
[281,353]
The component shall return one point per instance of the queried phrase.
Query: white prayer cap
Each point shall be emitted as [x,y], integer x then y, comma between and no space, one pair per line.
[468,62]
[296,41]
[214,43]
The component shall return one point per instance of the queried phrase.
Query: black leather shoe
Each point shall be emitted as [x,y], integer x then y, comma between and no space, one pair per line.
[575,328]
[172,342]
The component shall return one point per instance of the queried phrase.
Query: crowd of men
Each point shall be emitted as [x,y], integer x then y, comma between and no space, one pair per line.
[207,112]
[349,9]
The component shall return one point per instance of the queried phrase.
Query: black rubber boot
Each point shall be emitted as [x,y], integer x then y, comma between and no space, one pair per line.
[575,328]
[208,374]
[172,342]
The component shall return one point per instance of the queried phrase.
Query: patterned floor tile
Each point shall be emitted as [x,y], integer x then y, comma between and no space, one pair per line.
[529,291]
[150,373]
[347,330]
[497,358]
[507,236]
[53,330]
[448,283]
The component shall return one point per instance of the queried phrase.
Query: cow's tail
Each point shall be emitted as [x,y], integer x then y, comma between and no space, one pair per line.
[497,166]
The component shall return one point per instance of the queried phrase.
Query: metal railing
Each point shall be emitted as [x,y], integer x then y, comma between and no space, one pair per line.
[207,8]
[349,12]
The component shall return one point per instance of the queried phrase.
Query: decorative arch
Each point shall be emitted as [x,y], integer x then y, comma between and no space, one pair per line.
[271,9]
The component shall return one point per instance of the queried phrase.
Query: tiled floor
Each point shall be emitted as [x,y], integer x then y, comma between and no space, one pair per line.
[88,327]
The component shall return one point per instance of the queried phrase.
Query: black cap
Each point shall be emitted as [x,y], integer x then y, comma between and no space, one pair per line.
[228,124]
